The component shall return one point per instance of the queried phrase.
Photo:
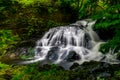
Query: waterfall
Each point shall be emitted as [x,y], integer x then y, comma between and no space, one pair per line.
[65,45]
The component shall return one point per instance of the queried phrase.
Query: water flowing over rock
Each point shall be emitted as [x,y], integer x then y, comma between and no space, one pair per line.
[66,45]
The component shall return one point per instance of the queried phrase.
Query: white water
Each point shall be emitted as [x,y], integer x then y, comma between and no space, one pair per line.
[65,45]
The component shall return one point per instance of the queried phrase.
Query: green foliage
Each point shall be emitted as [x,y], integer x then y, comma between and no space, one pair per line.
[31,2]
[7,40]
[10,71]
[109,19]
[40,73]
[3,66]
[69,8]
[111,44]
[117,73]
[29,17]
[5,4]
[112,22]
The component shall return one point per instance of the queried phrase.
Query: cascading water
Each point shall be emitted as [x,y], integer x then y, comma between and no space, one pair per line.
[65,45]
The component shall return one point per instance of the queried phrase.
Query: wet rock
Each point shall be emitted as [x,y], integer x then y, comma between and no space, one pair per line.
[87,43]
[73,56]
[79,25]
[54,48]
[64,54]
[73,42]
[101,66]
[85,52]
[24,47]
[28,51]
[74,66]
[38,50]
[52,54]
[105,75]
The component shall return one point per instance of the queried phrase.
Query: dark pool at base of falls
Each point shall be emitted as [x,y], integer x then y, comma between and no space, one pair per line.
[66,45]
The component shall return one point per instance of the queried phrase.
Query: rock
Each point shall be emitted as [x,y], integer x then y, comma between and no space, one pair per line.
[24,47]
[55,48]
[9,58]
[73,56]
[74,66]
[88,70]
[38,50]
[46,66]
[105,74]
[12,56]
[52,54]
[60,68]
